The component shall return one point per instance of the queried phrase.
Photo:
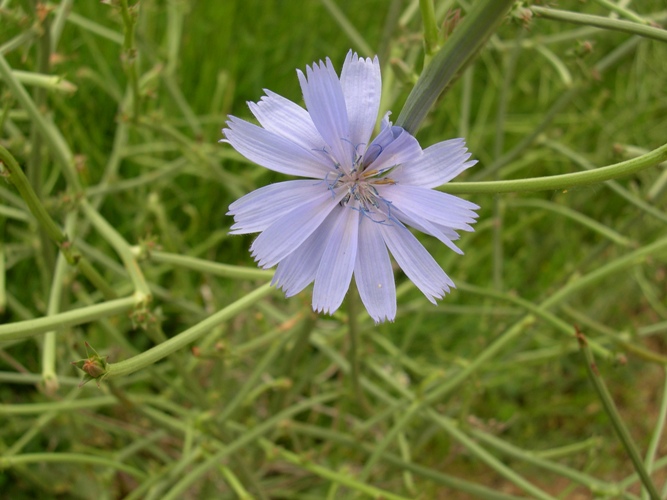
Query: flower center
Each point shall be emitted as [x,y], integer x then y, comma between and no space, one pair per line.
[362,194]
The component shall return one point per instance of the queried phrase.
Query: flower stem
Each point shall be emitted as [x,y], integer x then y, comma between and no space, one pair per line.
[24,329]
[215,268]
[353,328]
[562,181]
[49,132]
[614,416]
[170,346]
[129,56]
[478,25]
[20,181]
[122,248]
[601,22]
[430,27]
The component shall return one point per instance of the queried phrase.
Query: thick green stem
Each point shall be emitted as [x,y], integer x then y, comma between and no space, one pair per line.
[479,24]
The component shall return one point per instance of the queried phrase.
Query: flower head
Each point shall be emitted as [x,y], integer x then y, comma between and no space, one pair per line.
[358,196]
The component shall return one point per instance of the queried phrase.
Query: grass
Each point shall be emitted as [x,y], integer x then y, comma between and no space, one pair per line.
[484,396]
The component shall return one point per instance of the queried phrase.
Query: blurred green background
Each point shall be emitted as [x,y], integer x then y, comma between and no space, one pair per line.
[543,98]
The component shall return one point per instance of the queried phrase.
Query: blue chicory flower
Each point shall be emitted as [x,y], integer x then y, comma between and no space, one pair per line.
[358,195]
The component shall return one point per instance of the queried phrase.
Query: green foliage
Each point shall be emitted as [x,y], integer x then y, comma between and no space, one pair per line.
[217,387]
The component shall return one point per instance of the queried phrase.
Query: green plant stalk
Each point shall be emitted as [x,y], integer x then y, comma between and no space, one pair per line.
[615,417]
[234,483]
[3,268]
[20,181]
[613,185]
[627,13]
[430,27]
[68,458]
[190,335]
[43,420]
[562,181]
[599,488]
[113,237]
[452,429]
[339,478]
[437,477]
[48,82]
[657,434]
[466,41]
[380,448]
[631,348]
[353,301]
[95,28]
[348,28]
[49,132]
[25,329]
[22,38]
[206,266]
[582,219]
[59,19]
[49,375]
[518,328]
[129,56]
[246,438]
[240,394]
[601,22]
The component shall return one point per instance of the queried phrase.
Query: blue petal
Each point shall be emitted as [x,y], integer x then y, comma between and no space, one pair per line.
[439,164]
[298,270]
[287,119]
[373,273]
[288,232]
[362,88]
[273,151]
[256,211]
[435,206]
[335,272]
[324,99]
[427,227]
[393,146]
[416,262]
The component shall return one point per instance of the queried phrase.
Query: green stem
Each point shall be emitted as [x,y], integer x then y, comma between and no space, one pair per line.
[575,216]
[69,458]
[49,375]
[49,132]
[190,335]
[248,436]
[599,488]
[206,266]
[353,329]
[657,433]
[122,248]
[615,417]
[478,25]
[562,181]
[452,429]
[339,478]
[430,27]
[129,56]
[601,22]
[28,328]
[20,181]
